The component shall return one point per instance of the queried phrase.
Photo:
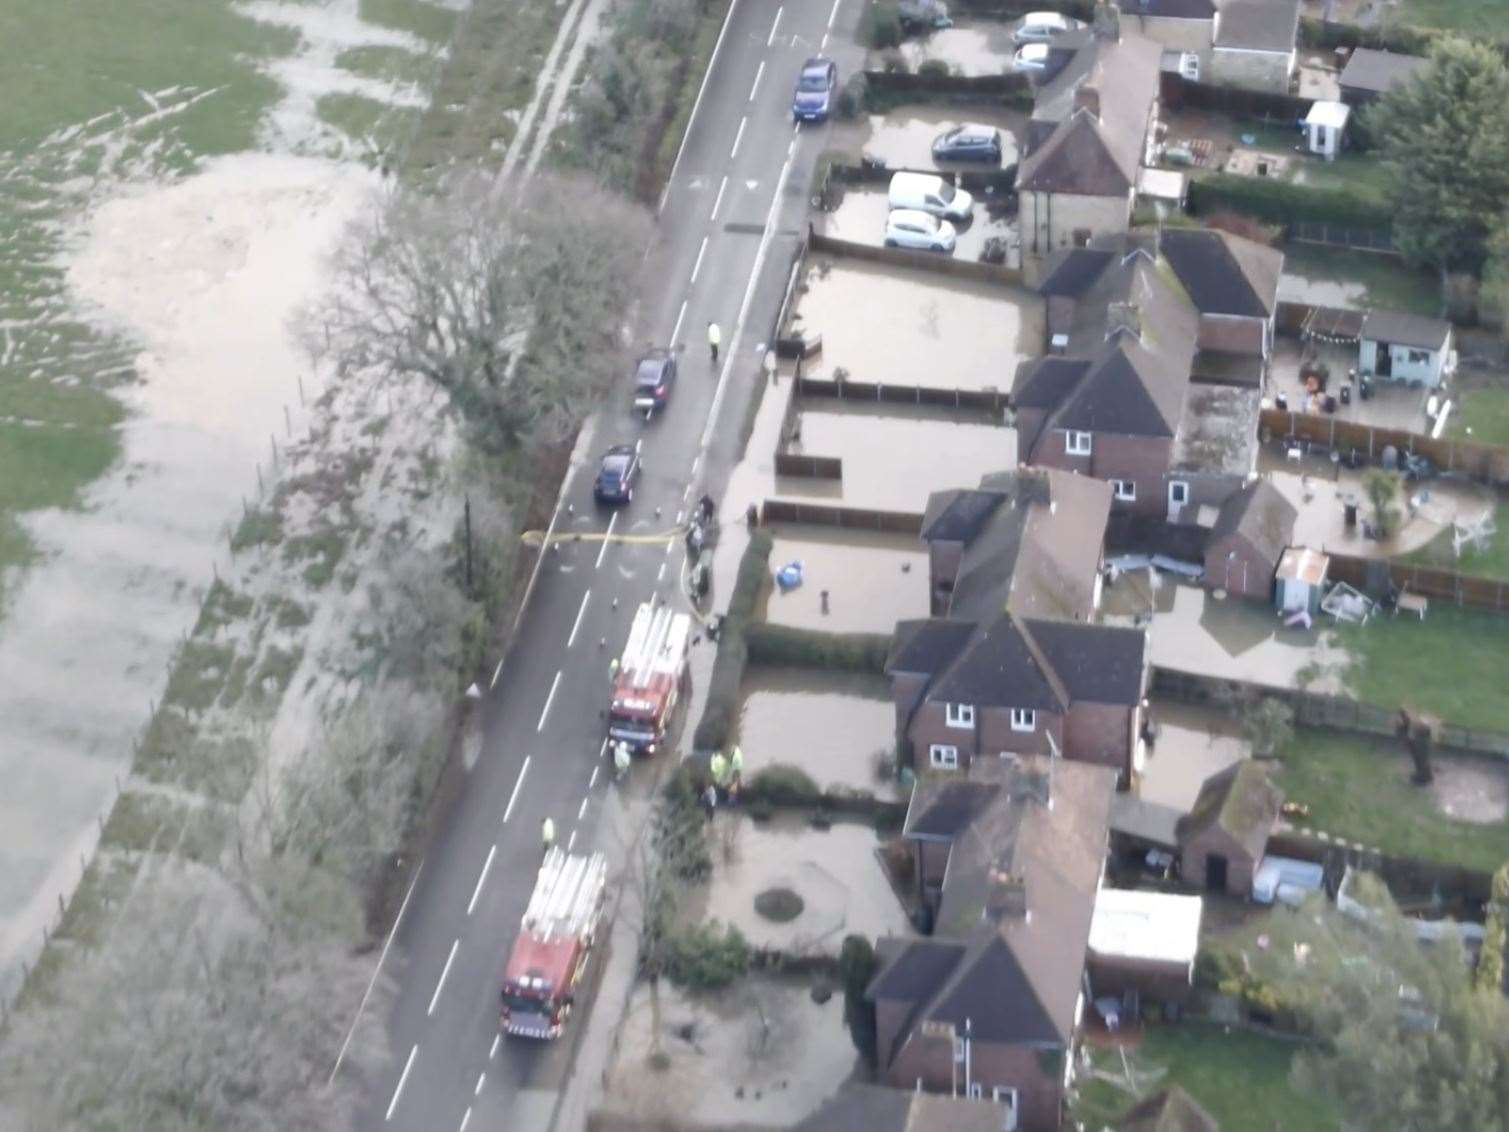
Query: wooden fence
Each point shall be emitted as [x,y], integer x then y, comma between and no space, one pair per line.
[1343,236]
[815,467]
[1487,463]
[835,515]
[987,400]
[906,257]
[1013,90]
[1469,590]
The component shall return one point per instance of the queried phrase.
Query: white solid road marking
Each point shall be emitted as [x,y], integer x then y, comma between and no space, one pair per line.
[481,1080]
[577,624]
[823,46]
[712,63]
[393,931]
[550,699]
[581,811]
[774,25]
[496,672]
[607,538]
[744,121]
[446,970]
[476,892]
[696,267]
[514,797]
[571,841]
[758,75]
[680,516]
[716,202]
[593,780]
[833,15]
[497,1040]
[660,574]
[676,333]
[466,1118]
[407,1065]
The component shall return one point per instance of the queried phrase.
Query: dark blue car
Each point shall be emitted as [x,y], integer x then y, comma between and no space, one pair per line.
[616,475]
[813,100]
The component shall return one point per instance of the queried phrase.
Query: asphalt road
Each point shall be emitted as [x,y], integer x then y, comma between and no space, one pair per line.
[728,229]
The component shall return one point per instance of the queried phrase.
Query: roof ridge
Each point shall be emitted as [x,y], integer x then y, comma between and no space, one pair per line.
[1039,658]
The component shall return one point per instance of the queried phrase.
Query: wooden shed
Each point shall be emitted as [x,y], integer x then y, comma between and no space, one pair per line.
[1250,533]
[1222,839]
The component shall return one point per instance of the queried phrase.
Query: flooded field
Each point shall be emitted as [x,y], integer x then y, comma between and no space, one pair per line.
[831,724]
[903,139]
[1193,744]
[872,580]
[861,219]
[1393,404]
[970,47]
[762,1054]
[937,332]
[835,871]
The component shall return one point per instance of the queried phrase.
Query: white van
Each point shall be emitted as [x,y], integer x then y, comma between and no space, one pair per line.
[927,192]
[1041,27]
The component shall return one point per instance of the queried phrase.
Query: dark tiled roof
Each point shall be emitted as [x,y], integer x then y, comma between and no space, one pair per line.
[1079,158]
[957,516]
[1043,383]
[1170,9]
[927,645]
[1403,329]
[1097,663]
[944,807]
[1168,1110]
[1379,71]
[917,971]
[1258,25]
[1070,272]
[1001,666]
[1241,800]
[1124,391]
[1222,273]
[1260,514]
[1147,822]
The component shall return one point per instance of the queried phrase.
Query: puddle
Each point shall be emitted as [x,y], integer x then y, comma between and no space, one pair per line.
[872,580]
[904,138]
[831,724]
[936,331]
[835,871]
[970,47]
[762,1054]
[1193,744]
[861,219]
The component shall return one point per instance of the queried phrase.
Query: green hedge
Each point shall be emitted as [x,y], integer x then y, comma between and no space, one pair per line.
[782,785]
[1490,973]
[1402,38]
[1280,202]
[718,717]
[782,645]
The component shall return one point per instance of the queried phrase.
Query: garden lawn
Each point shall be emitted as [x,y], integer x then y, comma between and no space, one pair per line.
[1241,1078]
[1492,561]
[1484,410]
[1358,788]
[1486,19]
[1452,664]
[1384,280]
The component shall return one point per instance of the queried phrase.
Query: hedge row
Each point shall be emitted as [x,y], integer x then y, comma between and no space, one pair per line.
[886,89]
[1281,202]
[1401,38]
[1490,973]
[808,648]
[718,716]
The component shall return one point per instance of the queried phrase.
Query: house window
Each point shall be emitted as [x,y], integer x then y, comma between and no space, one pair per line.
[976,1090]
[1007,1096]
[961,715]
[1419,357]
[943,757]
[1124,490]
[1077,443]
[1023,719]
[1178,493]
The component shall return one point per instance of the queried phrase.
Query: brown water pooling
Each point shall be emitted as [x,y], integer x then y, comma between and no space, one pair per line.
[830,724]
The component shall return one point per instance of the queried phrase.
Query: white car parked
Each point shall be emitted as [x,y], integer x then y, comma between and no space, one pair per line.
[913,228]
[1041,27]
[1031,59]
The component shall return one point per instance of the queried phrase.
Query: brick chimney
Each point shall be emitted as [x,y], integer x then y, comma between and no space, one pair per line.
[1006,894]
[1087,97]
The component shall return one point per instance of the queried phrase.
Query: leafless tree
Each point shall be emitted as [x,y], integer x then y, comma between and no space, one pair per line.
[513,306]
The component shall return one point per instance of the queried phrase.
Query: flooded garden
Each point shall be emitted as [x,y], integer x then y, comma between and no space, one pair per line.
[840,728]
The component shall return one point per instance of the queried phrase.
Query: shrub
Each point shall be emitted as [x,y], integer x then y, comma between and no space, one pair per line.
[1240,225]
[783,645]
[1268,725]
[1280,202]
[857,964]
[779,905]
[853,95]
[706,958]
[934,69]
[783,785]
[716,724]
[1490,972]
[884,24]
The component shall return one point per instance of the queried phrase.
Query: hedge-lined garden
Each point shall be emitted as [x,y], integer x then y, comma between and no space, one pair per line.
[1283,202]
[721,712]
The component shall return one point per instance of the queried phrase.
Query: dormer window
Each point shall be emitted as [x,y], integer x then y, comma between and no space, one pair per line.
[1023,719]
[1077,443]
[960,715]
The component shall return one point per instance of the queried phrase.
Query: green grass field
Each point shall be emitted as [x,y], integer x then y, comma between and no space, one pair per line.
[1241,1079]
[1377,280]
[1492,561]
[1487,19]
[1485,410]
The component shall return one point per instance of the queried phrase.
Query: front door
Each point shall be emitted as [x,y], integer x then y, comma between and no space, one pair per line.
[1215,872]
[1383,359]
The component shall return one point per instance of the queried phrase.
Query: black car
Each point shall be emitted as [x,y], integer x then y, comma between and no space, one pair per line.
[616,475]
[969,143]
[813,99]
[654,378]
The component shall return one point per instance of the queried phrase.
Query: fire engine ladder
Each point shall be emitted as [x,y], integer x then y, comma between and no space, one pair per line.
[566,896]
[645,646]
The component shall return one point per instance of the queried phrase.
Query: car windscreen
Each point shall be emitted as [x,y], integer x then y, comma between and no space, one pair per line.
[814,80]
[614,469]
[649,373]
[946,193]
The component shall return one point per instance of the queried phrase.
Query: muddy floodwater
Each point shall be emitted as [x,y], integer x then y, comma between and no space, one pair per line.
[831,724]
[861,219]
[835,871]
[910,327]
[970,47]
[1193,743]
[904,138]
[872,580]
[761,1054]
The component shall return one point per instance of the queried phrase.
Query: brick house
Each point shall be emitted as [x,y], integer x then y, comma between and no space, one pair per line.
[1011,859]
[1253,44]
[1250,534]
[1233,284]
[1223,838]
[1027,541]
[1013,686]
[1091,126]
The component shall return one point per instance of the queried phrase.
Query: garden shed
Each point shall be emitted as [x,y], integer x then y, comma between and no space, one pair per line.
[1143,941]
[1251,532]
[1398,346]
[1222,839]
[1300,581]
[1325,125]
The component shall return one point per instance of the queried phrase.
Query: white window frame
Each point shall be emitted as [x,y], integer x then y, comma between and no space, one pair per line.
[1182,487]
[960,715]
[943,756]
[1023,719]
[1077,443]
[1124,490]
[976,1091]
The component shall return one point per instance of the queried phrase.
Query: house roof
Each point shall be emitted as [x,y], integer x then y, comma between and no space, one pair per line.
[1082,157]
[1140,925]
[1404,329]
[1125,390]
[1261,514]
[944,806]
[1379,71]
[1257,25]
[1072,271]
[1148,822]
[1223,273]
[1304,565]
[1100,664]
[879,1108]
[1001,666]
[927,645]
[1044,383]
[1014,975]
[1218,431]
[1168,1110]
[1170,9]
[1241,801]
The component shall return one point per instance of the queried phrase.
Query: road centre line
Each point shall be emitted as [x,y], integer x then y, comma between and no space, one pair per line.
[481,1080]
[393,931]
[686,134]
[833,15]
[758,74]
[823,46]
[497,1041]
[581,811]
[486,865]
[577,624]
[744,121]
[676,333]
[776,23]
[571,841]
[514,797]
[697,267]
[497,672]
[446,970]
[407,1065]
[550,699]
[607,538]
[466,1118]
[660,574]
[716,202]
[591,782]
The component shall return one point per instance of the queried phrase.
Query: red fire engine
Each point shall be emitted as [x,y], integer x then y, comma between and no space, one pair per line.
[651,677]
[554,944]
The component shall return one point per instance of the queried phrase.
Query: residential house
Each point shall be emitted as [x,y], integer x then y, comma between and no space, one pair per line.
[1011,858]
[1253,44]
[1250,535]
[880,1108]
[1369,74]
[1114,399]
[1168,1110]
[1224,836]
[1182,28]
[1398,346]
[1027,541]
[1092,124]
[1014,686]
